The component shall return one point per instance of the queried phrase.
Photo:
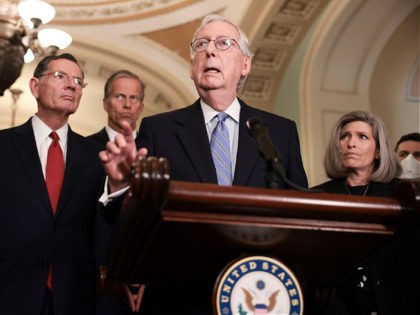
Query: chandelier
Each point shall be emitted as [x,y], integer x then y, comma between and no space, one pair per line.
[22,39]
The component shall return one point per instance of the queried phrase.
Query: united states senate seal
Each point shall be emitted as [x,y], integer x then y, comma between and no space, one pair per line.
[257,285]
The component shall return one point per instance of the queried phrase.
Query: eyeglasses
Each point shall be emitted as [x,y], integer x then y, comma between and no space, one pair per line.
[61,76]
[222,43]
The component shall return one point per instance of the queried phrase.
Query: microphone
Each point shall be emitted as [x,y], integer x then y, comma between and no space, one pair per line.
[259,133]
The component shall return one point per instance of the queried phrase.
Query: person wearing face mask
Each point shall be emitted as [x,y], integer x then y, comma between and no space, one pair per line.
[408,153]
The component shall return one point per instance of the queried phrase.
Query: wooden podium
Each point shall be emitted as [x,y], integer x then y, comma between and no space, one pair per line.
[177,237]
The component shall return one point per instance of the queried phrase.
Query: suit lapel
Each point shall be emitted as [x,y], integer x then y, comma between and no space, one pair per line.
[193,138]
[27,152]
[248,152]
[103,136]
[198,148]
[137,141]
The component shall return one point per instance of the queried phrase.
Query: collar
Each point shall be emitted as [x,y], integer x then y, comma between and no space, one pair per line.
[42,131]
[209,113]
[112,133]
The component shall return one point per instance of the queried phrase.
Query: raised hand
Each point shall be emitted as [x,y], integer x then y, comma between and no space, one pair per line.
[118,158]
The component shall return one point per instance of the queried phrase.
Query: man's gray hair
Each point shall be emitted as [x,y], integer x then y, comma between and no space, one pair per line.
[242,42]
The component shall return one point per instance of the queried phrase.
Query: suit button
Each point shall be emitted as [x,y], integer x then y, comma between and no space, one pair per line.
[45,263]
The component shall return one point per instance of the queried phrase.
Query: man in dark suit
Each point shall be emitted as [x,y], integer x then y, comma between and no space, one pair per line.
[181,137]
[123,101]
[220,63]
[38,237]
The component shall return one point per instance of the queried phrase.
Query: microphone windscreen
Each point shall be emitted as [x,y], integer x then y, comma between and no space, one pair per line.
[255,126]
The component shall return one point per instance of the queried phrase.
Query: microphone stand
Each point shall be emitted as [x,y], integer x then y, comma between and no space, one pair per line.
[273,170]
[271,175]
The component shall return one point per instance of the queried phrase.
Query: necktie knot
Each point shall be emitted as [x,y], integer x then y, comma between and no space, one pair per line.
[222,116]
[54,136]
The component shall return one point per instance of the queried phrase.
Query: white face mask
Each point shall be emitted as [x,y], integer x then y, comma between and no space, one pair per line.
[411,167]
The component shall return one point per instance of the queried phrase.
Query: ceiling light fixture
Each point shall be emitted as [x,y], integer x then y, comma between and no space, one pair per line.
[22,40]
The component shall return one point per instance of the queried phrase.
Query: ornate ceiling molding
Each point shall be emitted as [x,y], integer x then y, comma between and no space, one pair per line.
[99,12]
[285,27]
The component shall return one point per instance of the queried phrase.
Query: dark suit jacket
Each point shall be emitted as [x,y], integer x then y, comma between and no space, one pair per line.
[392,270]
[103,230]
[102,138]
[103,239]
[337,186]
[181,137]
[31,236]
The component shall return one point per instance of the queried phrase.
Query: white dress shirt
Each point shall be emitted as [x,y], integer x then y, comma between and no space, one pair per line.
[106,196]
[43,140]
[112,133]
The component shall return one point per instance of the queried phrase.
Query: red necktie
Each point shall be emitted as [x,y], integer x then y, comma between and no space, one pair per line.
[54,175]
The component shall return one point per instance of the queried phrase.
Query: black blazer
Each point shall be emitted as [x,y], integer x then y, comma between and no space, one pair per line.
[102,243]
[392,270]
[181,137]
[102,138]
[103,230]
[337,186]
[31,236]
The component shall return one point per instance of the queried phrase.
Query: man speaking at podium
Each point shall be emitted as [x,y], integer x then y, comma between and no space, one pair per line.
[209,141]
[220,64]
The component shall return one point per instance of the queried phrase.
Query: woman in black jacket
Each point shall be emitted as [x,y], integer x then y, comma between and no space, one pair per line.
[360,161]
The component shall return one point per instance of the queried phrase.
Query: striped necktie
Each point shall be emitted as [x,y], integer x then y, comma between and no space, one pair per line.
[220,149]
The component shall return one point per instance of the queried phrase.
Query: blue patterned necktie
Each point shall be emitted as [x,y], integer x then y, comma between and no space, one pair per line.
[220,149]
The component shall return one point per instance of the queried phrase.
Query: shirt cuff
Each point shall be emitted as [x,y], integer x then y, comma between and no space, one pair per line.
[106,197]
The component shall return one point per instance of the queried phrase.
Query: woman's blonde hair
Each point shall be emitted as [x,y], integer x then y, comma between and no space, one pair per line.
[386,166]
